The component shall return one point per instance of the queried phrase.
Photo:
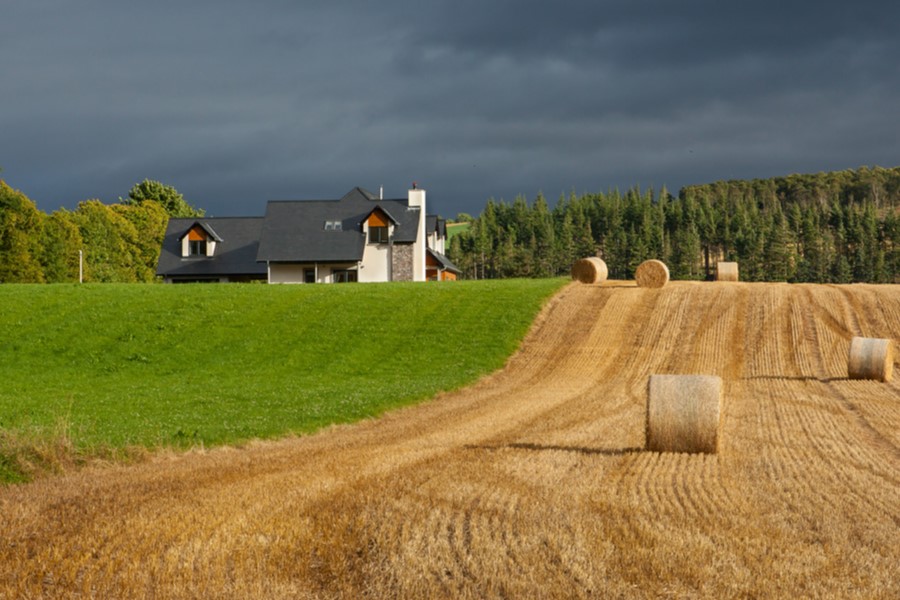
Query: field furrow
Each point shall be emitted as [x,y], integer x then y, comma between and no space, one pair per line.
[533,482]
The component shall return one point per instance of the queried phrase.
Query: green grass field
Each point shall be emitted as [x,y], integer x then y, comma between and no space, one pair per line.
[113,366]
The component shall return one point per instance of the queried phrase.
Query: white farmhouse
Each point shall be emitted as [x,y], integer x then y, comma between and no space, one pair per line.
[360,237]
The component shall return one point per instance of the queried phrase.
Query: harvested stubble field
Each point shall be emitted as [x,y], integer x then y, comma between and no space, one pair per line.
[532,483]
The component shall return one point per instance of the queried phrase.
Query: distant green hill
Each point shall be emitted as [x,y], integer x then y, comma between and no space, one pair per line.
[456,228]
[96,368]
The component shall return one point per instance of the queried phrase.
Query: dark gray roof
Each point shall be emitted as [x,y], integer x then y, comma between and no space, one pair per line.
[294,230]
[445,262]
[205,226]
[407,229]
[358,192]
[385,212]
[236,248]
[435,223]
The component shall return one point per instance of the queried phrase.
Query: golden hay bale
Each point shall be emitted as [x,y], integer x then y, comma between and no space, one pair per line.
[589,270]
[727,271]
[683,413]
[871,358]
[652,274]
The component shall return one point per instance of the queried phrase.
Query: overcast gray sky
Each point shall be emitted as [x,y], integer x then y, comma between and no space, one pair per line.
[236,103]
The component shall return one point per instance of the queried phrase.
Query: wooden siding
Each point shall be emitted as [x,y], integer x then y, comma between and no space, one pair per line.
[378,219]
[196,234]
[436,275]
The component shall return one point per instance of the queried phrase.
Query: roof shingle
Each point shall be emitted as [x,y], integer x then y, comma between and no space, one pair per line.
[236,248]
[294,230]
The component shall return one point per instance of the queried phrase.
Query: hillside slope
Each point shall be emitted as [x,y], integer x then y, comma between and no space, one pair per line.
[117,366]
[533,482]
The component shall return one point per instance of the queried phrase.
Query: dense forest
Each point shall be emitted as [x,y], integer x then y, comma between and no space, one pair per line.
[119,242]
[835,227]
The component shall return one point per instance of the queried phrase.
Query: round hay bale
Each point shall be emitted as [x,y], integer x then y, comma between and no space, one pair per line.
[652,274]
[683,413]
[871,358]
[727,271]
[589,270]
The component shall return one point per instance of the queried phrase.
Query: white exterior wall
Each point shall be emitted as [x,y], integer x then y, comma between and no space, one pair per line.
[210,246]
[293,272]
[287,273]
[376,260]
[375,264]
[417,199]
[436,242]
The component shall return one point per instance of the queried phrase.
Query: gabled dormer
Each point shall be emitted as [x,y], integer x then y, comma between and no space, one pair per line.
[199,241]
[379,226]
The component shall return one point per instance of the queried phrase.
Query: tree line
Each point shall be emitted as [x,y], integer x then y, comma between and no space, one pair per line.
[97,242]
[835,227]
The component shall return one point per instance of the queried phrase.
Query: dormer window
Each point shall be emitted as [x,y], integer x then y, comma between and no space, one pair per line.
[197,248]
[379,224]
[198,241]
[378,235]
[333,226]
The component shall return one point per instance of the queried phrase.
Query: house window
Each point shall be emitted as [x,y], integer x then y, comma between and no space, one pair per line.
[378,235]
[197,248]
[334,226]
[344,276]
[309,275]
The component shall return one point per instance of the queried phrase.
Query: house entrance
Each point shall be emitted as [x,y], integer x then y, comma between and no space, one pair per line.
[344,276]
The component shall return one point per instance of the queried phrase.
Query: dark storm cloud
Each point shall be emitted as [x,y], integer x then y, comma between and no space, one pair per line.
[235,103]
[656,33]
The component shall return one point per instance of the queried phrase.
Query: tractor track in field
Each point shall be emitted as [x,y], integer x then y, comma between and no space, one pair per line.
[532,482]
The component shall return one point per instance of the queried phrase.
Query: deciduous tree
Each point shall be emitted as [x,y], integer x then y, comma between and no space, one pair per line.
[21,225]
[167,196]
